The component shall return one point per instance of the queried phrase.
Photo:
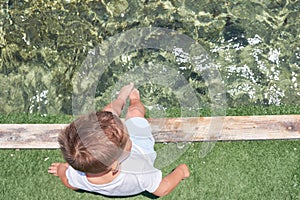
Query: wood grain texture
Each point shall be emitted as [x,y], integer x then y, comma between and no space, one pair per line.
[231,128]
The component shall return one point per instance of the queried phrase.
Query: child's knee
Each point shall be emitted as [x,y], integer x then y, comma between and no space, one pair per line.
[137,110]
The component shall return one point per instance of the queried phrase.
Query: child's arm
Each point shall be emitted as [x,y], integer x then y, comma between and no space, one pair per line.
[117,105]
[170,181]
[59,169]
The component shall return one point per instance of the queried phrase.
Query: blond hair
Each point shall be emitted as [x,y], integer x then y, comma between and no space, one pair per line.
[93,142]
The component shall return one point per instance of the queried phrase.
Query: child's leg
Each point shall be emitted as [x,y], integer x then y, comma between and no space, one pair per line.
[136,108]
[139,128]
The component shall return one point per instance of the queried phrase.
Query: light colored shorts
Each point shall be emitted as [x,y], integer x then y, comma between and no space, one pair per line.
[140,133]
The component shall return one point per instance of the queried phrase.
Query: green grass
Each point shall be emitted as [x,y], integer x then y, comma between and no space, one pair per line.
[232,170]
[24,118]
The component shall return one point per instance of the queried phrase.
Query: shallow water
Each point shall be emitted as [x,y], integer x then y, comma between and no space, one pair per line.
[254,44]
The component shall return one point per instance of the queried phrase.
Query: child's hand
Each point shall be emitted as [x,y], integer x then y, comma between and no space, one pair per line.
[185,170]
[170,181]
[125,91]
[59,169]
[56,168]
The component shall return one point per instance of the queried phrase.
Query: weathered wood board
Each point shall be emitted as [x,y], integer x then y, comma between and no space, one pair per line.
[230,128]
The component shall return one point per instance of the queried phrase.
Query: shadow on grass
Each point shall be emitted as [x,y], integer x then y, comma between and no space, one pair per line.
[145,194]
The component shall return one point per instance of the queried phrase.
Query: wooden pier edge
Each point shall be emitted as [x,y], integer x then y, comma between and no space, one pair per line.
[230,128]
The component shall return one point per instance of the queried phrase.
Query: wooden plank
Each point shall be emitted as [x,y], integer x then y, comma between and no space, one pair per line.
[30,135]
[230,128]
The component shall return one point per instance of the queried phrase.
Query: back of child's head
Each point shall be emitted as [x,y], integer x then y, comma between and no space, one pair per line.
[93,142]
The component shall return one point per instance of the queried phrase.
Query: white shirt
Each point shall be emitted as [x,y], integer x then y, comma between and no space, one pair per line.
[137,172]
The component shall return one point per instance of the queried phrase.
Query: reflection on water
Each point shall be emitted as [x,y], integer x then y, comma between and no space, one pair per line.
[256,45]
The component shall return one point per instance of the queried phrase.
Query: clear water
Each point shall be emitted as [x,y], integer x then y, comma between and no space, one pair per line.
[254,44]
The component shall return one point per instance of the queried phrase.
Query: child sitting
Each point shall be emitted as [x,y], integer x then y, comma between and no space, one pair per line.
[106,156]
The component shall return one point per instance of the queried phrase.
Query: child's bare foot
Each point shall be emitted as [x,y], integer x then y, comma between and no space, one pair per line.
[125,91]
[134,95]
